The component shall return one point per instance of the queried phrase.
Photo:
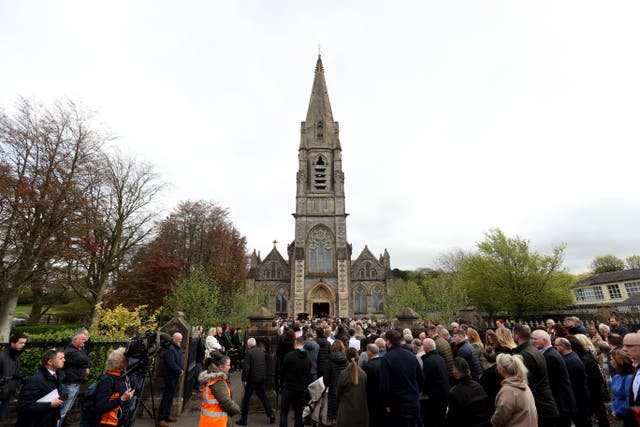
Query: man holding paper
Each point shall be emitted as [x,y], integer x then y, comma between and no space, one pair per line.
[39,402]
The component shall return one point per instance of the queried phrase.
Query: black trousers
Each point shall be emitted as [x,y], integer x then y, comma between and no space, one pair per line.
[294,400]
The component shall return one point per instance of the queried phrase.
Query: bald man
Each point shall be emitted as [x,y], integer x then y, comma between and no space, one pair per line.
[631,346]
[172,370]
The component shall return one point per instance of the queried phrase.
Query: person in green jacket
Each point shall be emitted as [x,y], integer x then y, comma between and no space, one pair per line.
[352,394]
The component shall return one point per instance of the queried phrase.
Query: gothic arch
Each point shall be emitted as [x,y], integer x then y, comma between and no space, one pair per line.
[359,299]
[377,298]
[320,250]
[321,293]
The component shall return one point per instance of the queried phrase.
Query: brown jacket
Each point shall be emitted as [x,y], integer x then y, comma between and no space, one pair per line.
[515,406]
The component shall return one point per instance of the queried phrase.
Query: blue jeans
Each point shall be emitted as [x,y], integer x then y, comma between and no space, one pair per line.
[170,386]
[248,391]
[4,405]
[71,390]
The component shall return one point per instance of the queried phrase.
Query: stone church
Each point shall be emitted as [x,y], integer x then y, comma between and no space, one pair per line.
[318,276]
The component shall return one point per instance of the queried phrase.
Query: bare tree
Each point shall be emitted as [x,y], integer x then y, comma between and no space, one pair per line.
[118,218]
[45,157]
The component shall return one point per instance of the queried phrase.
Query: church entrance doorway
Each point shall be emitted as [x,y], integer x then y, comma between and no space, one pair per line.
[321,309]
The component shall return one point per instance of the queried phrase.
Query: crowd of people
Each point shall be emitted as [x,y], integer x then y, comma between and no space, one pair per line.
[362,373]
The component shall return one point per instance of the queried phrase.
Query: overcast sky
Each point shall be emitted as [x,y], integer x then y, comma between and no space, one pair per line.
[455,117]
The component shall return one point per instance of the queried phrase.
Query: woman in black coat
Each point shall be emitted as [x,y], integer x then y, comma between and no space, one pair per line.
[337,363]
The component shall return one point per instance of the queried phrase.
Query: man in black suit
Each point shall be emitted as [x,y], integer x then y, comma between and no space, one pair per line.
[631,345]
[377,415]
[435,386]
[32,413]
[578,377]
[558,377]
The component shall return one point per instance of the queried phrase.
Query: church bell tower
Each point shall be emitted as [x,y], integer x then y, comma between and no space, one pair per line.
[320,256]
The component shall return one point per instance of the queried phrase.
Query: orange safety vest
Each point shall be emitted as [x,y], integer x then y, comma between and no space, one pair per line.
[113,416]
[211,413]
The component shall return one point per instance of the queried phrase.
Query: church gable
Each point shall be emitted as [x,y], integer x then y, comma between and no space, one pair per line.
[274,267]
[367,267]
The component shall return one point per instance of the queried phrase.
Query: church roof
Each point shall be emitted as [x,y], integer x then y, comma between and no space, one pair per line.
[274,255]
[366,254]
[319,106]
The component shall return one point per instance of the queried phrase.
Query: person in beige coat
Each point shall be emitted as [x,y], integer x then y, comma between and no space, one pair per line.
[515,406]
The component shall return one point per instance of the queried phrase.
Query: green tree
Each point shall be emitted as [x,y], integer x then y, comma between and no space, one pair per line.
[445,297]
[606,263]
[633,261]
[198,297]
[404,294]
[505,275]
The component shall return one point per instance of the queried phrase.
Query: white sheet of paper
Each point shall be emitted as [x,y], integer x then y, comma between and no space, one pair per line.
[53,394]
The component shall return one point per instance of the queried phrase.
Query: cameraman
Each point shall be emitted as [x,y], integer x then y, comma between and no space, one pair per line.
[10,374]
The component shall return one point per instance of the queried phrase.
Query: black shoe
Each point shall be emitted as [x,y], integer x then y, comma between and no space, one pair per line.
[240,423]
[272,419]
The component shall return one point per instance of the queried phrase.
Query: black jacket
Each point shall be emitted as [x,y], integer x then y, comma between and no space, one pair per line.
[110,385]
[538,381]
[400,380]
[38,414]
[372,369]
[254,370]
[468,405]
[76,363]
[9,373]
[436,376]
[173,362]
[296,368]
[491,380]
[323,356]
[337,363]
[559,381]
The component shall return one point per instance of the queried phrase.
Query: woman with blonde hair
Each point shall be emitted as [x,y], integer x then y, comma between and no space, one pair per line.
[506,344]
[474,339]
[352,394]
[587,344]
[113,392]
[515,406]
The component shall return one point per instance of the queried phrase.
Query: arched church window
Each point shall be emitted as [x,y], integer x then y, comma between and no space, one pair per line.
[378,304]
[281,301]
[373,273]
[360,301]
[267,273]
[320,174]
[319,131]
[320,251]
[361,273]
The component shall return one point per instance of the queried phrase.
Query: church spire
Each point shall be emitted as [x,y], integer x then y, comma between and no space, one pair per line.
[319,106]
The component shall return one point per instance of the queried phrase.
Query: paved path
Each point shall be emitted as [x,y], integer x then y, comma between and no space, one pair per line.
[191,415]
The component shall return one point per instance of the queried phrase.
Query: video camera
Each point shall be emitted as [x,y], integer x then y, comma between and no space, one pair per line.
[146,345]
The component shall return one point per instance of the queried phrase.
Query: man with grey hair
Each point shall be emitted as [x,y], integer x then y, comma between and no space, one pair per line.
[374,399]
[558,377]
[76,368]
[435,386]
[254,375]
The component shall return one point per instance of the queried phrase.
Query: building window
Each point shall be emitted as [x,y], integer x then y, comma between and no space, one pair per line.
[378,304]
[320,174]
[320,251]
[319,131]
[614,291]
[589,294]
[361,273]
[633,288]
[360,301]
[281,301]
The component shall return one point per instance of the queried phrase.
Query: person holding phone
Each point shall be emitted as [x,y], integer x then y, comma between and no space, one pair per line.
[113,393]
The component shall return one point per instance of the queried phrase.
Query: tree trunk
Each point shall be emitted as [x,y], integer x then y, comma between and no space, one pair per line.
[7,310]
[36,306]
